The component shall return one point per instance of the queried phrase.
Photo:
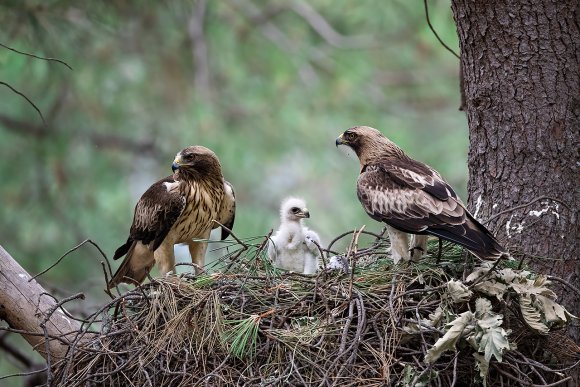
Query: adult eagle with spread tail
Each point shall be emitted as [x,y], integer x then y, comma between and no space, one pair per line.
[177,209]
[412,198]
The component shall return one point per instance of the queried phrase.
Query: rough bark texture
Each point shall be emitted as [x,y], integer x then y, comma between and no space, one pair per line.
[521,69]
[26,305]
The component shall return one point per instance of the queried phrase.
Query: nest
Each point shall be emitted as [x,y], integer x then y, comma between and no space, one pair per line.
[250,324]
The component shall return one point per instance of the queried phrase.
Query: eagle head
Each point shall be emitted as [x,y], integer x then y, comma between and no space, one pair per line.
[196,159]
[368,143]
[293,209]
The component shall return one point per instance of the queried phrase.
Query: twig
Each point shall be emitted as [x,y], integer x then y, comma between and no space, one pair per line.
[486,274]
[80,296]
[36,56]
[230,232]
[25,373]
[435,32]
[339,237]
[26,98]
[352,250]
[70,251]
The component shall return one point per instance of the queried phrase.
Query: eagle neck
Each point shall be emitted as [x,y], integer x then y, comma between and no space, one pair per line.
[379,150]
[385,155]
[194,176]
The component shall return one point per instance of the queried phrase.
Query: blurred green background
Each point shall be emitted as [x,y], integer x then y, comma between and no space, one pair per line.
[267,85]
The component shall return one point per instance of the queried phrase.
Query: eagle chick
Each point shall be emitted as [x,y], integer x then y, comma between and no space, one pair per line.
[294,246]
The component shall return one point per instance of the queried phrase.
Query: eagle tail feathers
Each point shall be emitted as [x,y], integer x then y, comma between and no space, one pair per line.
[135,266]
[124,249]
[473,236]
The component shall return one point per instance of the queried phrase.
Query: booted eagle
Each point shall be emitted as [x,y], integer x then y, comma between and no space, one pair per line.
[412,198]
[293,246]
[174,210]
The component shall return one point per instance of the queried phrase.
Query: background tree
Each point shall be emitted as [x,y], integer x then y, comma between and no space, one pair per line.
[521,76]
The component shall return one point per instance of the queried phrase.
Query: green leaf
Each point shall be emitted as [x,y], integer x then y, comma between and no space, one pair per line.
[448,341]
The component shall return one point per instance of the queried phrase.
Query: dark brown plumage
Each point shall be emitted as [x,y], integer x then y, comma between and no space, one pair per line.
[412,198]
[175,210]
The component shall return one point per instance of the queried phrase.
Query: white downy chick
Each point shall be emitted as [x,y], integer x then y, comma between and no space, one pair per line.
[293,245]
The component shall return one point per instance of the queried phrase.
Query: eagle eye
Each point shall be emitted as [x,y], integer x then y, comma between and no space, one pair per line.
[349,136]
[295,210]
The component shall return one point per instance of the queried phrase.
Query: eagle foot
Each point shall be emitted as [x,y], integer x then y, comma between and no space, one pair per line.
[416,253]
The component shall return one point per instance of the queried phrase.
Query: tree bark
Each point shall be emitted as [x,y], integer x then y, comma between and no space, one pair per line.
[26,307]
[521,69]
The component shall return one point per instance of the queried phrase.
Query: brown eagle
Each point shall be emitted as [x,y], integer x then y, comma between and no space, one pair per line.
[177,209]
[412,198]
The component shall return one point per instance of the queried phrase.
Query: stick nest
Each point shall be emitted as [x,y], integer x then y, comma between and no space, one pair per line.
[381,324]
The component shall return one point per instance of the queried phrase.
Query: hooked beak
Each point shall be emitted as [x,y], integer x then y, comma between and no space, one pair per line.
[340,141]
[304,213]
[176,164]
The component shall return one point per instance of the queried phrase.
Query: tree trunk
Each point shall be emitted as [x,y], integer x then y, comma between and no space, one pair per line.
[26,307]
[521,68]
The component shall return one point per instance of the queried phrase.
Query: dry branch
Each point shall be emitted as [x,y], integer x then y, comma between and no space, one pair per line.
[26,307]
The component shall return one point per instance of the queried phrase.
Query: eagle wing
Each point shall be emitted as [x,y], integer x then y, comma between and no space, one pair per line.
[227,213]
[413,198]
[155,213]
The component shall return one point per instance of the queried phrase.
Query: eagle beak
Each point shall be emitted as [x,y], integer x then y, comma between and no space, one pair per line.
[340,141]
[176,164]
[304,213]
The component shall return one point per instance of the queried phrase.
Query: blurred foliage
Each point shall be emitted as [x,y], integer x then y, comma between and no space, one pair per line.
[268,85]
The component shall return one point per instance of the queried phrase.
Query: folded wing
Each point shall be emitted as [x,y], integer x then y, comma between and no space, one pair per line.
[413,198]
